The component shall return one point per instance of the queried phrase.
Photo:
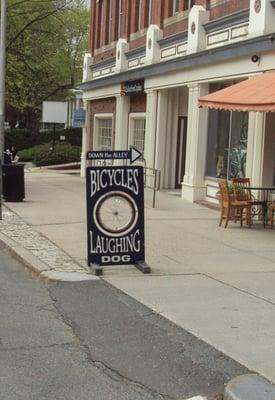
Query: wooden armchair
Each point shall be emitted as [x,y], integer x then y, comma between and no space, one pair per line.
[243,193]
[231,208]
[271,214]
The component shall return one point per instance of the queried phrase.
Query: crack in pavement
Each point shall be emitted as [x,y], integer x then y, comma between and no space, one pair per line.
[112,373]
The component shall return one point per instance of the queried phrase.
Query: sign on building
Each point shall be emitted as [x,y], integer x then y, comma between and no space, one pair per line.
[79,118]
[132,87]
[115,217]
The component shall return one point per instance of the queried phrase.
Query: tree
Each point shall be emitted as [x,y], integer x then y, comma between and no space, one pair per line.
[45,45]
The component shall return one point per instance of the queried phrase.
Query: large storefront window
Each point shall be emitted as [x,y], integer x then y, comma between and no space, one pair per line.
[227,144]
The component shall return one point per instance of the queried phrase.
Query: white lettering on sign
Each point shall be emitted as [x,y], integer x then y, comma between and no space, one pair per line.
[124,244]
[120,154]
[116,258]
[100,179]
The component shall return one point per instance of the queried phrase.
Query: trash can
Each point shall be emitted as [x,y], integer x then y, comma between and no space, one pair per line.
[13,182]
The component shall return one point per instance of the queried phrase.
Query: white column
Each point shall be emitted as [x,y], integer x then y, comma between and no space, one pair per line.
[173,138]
[86,136]
[193,187]
[151,124]
[255,148]
[163,118]
[122,120]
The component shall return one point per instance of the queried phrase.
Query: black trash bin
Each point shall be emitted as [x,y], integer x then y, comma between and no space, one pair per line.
[13,182]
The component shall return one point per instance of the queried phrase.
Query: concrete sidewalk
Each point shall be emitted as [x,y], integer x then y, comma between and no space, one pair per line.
[216,283]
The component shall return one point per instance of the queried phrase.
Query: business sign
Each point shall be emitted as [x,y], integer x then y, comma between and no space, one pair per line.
[79,118]
[133,87]
[132,155]
[115,216]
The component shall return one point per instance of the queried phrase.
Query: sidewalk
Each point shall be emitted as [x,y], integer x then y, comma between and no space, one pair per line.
[217,283]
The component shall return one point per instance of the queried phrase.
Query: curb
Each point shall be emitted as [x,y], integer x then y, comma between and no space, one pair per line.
[37,266]
[249,387]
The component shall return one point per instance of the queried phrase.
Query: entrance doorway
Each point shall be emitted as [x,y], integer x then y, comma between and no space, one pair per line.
[181,151]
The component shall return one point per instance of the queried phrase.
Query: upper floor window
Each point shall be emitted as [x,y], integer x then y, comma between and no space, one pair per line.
[144,13]
[101,10]
[188,4]
[175,6]
[149,20]
[139,14]
[120,19]
[110,20]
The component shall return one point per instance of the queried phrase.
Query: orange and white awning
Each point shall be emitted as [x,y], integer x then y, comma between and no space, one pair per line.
[254,94]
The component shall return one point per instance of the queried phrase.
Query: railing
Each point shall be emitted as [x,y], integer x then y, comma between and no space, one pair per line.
[151,175]
[152,181]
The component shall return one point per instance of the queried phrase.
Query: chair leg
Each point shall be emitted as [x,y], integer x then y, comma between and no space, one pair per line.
[241,216]
[221,217]
[227,217]
[248,217]
[271,217]
[264,211]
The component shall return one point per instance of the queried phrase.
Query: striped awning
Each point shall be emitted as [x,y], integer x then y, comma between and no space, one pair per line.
[254,94]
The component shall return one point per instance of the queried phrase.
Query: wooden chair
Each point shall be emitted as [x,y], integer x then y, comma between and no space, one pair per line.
[232,209]
[271,214]
[243,193]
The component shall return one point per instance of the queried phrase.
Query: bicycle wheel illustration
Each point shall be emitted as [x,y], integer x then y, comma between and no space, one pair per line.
[115,213]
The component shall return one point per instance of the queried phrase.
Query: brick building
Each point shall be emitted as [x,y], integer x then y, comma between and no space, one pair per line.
[148,63]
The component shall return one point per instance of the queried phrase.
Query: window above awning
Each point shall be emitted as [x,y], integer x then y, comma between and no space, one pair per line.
[254,94]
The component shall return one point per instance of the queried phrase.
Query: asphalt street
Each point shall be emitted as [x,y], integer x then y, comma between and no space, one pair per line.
[88,340]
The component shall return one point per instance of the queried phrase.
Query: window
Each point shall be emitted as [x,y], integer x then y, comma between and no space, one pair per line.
[175,6]
[227,144]
[101,25]
[139,133]
[139,14]
[188,4]
[110,20]
[104,133]
[119,18]
[149,12]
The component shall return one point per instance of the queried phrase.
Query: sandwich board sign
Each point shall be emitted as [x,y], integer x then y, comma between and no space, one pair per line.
[115,217]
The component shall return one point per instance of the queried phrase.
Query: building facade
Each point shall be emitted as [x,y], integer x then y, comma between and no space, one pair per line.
[148,63]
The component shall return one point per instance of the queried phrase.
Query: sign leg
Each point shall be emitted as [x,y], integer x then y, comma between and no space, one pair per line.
[97,269]
[143,267]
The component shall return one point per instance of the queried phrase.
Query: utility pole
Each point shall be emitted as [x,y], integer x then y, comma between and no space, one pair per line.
[2,93]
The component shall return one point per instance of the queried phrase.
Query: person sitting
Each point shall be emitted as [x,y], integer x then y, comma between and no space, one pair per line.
[7,157]
[13,152]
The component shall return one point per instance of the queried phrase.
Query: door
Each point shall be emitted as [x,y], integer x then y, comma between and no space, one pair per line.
[181,151]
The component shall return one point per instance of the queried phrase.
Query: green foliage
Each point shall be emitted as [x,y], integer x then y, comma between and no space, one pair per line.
[26,138]
[43,154]
[45,45]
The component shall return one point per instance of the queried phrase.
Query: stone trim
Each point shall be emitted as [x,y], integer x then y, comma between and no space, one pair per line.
[103,64]
[136,52]
[227,21]
[102,49]
[175,18]
[173,39]
[232,50]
